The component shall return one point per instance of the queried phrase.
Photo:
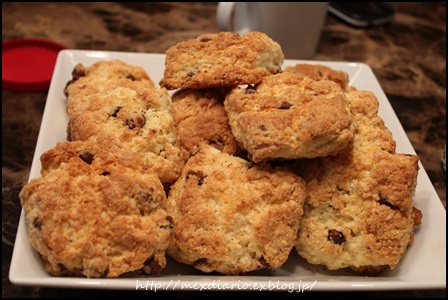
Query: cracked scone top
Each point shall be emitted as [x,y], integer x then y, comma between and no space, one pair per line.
[96,214]
[290,116]
[221,59]
[231,216]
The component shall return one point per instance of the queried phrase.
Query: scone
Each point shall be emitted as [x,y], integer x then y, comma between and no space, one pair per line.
[320,72]
[290,116]
[94,214]
[364,107]
[100,77]
[138,120]
[221,59]
[231,216]
[199,116]
[359,210]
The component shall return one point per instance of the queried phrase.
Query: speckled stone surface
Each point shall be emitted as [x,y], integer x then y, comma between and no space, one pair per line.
[408,57]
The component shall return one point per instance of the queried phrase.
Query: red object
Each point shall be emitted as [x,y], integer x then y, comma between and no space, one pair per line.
[28,64]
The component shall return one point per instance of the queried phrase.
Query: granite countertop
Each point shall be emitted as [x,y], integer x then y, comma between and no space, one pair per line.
[408,57]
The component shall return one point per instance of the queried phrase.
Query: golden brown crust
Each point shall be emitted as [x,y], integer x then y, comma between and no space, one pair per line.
[417,216]
[320,72]
[199,116]
[369,270]
[359,207]
[221,59]
[101,77]
[364,106]
[91,215]
[290,116]
[233,217]
[134,118]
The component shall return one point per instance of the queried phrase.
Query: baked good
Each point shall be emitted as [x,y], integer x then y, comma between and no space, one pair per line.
[117,105]
[364,107]
[138,120]
[221,59]
[231,216]
[95,214]
[199,116]
[101,77]
[359,212]
[290,116]
[320,72]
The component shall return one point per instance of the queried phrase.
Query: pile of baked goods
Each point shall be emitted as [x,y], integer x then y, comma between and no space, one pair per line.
[243,163]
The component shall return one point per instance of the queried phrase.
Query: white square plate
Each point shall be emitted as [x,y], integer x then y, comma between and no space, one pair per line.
[423,267]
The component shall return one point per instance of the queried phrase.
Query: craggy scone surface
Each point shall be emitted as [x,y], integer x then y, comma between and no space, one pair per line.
[290,116]
[139,121]
[136,118]
[320,72]
[359,210]
[101,77]
[199,116]
[221,59]
[94,214]
[231,216]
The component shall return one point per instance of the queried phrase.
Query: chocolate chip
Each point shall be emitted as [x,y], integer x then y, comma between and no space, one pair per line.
[78,71]
[262,128]
[131,77]
[383,201]
[264,262]
[86,157]
[138,121]
[336,237]
[191,73]
[200,176]
[205,40]
[116,111]
[105,173]
[285,105]
[66,87]
[62,268]
[152,267]
[37,223]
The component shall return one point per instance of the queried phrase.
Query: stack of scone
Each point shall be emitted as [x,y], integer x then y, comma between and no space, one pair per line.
[359,211]
[99,209]
[254,159]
